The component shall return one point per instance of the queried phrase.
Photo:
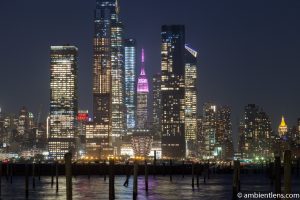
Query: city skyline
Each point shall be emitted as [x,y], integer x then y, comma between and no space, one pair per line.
[279,102]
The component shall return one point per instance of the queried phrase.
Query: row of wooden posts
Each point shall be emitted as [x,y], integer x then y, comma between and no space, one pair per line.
[9,176]
[275,174]
[274,167]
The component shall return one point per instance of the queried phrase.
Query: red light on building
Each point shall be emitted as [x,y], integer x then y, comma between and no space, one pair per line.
[83,117]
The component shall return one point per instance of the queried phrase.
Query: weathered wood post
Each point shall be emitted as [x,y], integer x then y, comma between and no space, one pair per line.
[171,170]
[197,173]
[11,173]
[127,171]
[56,175]
[7,171]
[111,179]
[297,167]
[277,175]
[193,174]
[33,175]
[68,171]
[154,163]
[235,184]
[208,172]
[135,179]
[52,174]
[88,171]
[183,169]
[0,178]
[104,170]
[146,175]
[287,171]
[205,172]
[26,181]
[39,170]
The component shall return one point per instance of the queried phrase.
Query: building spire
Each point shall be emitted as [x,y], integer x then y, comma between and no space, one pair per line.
[282,129]
[117,7]
[142,85]
[143,73]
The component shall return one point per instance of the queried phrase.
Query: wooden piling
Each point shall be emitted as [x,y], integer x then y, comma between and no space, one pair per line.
[146,176]
[7,172]
[235,184]
[111,179]
[26,181]
[89,170]
[183,169]
[208,172]
[0,178]
[193,174]
[164,168]
[197,173]
[52,174]
[135,179]
[287,172]
[105,170]
[39,170]
[33,175]
[127,172]
[56,175]
[297,170]
[68,172]
[171,170]
[11,173]
[277,175]
[154,163]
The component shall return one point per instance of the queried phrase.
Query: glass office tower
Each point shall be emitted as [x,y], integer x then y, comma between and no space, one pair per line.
[63,101]
[108,71]
[130,91]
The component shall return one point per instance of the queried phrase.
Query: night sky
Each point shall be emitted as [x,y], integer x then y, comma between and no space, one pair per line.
[249,51]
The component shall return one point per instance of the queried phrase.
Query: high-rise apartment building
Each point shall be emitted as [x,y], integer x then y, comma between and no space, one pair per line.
[63,100]
[255,139]
[142,97]
[172,90]
[209,130]
[108,71]
[190,99]
[224,133]
[130,88]
[156,94]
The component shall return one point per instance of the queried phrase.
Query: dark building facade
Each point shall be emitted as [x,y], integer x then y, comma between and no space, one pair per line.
[172,90]
[156,94]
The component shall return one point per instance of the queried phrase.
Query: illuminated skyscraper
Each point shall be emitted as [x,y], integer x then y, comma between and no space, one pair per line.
[172,90]
[108,70]
[256,136]
[118,82]
[282,128]
[156,91]
[224,133]
[130,91]
[142,96]
[63,100]
[190,94]
[209,129]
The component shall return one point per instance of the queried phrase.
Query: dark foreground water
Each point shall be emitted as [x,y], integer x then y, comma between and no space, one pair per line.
[217,187]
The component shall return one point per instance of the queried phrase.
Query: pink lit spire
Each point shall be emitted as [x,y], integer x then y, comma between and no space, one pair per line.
[142,86]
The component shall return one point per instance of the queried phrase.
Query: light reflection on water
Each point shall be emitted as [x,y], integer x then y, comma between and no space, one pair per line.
[218,187]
